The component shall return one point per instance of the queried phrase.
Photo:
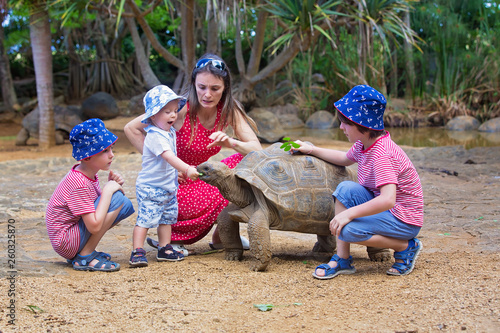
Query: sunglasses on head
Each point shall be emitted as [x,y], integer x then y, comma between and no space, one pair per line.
[216,63]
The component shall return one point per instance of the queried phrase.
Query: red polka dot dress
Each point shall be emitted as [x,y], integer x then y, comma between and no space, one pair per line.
[199,202]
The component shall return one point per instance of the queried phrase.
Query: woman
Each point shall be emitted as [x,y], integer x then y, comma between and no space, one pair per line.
[200,126]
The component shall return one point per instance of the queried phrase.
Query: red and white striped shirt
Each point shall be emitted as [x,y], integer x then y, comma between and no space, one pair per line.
[73,197]
[386,163]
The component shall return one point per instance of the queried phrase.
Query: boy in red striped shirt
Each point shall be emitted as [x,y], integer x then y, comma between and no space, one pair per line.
[79,213]
[385,208]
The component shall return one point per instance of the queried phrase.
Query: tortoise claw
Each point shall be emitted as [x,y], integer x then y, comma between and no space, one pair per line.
[234,254]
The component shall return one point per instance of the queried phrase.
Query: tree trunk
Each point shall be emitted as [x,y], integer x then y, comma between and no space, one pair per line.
[362,47]
[258,44]
[212,30]
[169,57]
[42,59]
[76,72]
[410,65]
[394,73]
[8,93]
[238,49]
[188,41]
[280,61]
[148,75]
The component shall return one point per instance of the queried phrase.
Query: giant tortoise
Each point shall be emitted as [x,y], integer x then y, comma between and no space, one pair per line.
[273,189]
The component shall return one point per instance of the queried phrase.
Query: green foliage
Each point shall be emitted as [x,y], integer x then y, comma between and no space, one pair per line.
[460,58]
[301,17]
[288,144]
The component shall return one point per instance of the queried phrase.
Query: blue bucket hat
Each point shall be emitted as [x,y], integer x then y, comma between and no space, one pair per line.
[156,98]
[90,138]
[364,106]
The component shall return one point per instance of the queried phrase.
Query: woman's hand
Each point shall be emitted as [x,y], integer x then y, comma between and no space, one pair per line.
[221,139]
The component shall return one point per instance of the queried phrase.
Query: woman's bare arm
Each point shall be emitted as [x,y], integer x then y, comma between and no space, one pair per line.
[247,140]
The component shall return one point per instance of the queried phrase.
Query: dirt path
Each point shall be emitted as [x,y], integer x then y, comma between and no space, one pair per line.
[454,286]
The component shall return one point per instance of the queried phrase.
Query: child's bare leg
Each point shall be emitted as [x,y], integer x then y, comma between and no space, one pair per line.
[397,245]
[94,239]
[138,237]
[343,251]
[164,235]
[343,248]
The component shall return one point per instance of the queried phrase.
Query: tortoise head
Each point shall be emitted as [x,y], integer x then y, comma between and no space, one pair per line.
[214,173]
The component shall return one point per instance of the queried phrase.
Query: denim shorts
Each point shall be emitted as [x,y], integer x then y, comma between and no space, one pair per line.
[118,199]
[352,194]
[156,206]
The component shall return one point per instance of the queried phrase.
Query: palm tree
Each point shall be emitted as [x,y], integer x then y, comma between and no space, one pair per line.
[380,19]
[303,22]
[42,59]
[8,93]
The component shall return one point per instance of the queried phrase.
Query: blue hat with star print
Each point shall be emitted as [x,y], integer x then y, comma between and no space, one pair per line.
[156,99]
[364,106]
[90,138]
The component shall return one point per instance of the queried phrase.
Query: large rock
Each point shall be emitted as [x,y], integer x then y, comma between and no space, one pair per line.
[100,105]
[270,129]
[289,121]
[463,123]
[287,108]
[136,105]
[322,120]
[65,118]
[491,126]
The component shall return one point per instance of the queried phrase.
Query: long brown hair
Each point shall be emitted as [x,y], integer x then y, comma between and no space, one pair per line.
[230,106]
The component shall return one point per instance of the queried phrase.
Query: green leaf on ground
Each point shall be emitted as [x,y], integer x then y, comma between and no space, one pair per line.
[33,308]
[264,307]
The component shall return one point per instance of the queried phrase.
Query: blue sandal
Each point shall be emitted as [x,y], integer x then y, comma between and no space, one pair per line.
[102,254]
[81,263]
[344,266]
[172,256]
[409,256]
[138,258]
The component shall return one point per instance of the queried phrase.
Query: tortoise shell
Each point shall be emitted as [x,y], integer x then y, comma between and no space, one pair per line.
[298,187]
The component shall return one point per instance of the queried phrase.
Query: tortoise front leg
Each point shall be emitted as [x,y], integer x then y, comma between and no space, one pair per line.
[260,240]
[229,233]
[325,243]
[378,253]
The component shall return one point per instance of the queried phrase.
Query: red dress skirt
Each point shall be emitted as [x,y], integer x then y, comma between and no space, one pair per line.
[199,202]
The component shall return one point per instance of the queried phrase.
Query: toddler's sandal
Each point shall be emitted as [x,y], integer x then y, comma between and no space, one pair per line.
[344,266]
[172,256]
[409,257]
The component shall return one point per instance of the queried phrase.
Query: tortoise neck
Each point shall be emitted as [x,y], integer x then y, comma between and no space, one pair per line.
[240,194]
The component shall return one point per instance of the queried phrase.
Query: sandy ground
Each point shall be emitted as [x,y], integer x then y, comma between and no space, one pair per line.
[454,286]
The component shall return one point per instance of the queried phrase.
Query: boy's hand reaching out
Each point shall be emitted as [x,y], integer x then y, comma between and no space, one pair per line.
[116,177]
[304,148]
